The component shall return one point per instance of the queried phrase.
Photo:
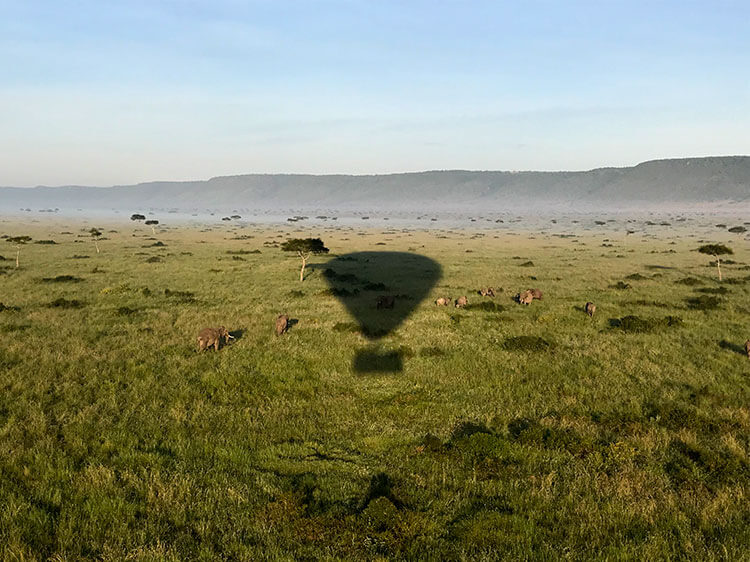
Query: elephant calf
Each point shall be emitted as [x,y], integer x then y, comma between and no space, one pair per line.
[215,337]
[525,298]
[461,302]
[590,308]
[282,324]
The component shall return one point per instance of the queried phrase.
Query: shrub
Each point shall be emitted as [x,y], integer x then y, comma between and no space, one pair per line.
[703,302]
[636,324]
[689,281]
[526,343]
[65,303]
[62,279]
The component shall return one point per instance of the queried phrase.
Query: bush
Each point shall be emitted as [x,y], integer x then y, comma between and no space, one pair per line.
[62,279]
[703,302]
[636,324]
[526,343]
[689,281]
[65,303]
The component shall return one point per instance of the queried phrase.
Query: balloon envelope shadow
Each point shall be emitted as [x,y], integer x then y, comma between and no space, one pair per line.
[380,290]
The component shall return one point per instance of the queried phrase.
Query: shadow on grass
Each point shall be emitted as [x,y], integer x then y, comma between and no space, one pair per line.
[359,281]
[374,360]
[724,344]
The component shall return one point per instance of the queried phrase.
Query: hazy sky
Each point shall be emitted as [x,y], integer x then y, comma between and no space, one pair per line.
[103,92]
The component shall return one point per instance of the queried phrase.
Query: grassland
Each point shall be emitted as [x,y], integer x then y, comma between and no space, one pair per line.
[508,432]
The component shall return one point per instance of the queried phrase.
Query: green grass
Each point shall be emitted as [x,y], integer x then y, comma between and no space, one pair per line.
[509,432]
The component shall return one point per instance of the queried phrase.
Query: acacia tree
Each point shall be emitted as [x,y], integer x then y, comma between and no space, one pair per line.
[305,247]
[18,241]
[716,250]
[152,223]
[96,234]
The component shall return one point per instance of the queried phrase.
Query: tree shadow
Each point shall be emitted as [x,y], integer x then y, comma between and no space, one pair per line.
[403,278]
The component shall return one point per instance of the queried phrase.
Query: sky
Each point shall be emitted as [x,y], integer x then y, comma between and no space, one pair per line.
[102,92]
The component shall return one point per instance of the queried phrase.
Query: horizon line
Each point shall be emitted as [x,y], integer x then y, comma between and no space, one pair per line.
[385,174]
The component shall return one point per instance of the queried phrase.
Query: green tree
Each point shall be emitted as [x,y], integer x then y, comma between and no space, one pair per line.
[716,250]
[96,234]
[152,223]
[304,247]
[19,241]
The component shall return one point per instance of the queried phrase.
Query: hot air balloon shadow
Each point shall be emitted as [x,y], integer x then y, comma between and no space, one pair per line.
[380,290]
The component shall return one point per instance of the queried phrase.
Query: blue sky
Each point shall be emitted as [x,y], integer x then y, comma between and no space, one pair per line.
[104,92]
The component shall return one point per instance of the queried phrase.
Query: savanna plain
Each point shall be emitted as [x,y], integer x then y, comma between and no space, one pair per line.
[492,431]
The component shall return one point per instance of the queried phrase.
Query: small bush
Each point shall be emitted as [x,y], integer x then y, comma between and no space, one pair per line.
[62,279]
[339,292]
[65,303]
[332,275]
[126,311]
[154,259]
[636,277]
[703,302]
[6,308]
[621,285]
[526,343]
[636,324]
[45,242]
[734,229]
[714,290]
[296,294]
[689,281]
[526,264]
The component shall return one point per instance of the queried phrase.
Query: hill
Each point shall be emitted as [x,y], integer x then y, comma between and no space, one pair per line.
[673,182]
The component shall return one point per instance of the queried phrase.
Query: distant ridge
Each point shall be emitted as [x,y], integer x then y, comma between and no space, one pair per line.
[671,182]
